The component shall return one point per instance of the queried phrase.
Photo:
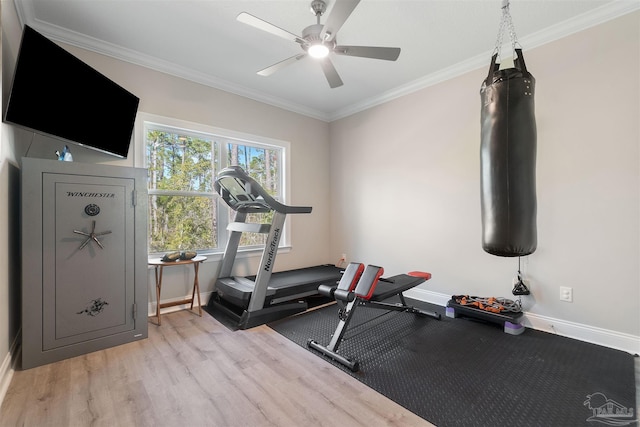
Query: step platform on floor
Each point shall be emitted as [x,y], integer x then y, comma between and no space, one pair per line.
[510,321]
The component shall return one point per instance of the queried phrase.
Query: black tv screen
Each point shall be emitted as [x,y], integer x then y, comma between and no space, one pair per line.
[55,93]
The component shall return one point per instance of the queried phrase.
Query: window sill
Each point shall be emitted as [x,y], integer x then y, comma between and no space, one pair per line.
[242,253]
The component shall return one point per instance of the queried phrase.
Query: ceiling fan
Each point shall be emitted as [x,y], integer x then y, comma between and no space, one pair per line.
[319,40]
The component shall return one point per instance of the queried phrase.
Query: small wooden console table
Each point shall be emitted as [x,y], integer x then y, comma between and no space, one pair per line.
[159,265]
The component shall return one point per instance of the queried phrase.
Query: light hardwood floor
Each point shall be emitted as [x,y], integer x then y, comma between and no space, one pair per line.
[193,371]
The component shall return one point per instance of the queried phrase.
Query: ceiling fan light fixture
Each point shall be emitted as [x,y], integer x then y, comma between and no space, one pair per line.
[318,50]
[319,40]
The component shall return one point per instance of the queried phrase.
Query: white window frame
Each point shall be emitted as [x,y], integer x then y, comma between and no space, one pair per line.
[173,124]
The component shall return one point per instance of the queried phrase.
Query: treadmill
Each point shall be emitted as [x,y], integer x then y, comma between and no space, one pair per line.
[267,296]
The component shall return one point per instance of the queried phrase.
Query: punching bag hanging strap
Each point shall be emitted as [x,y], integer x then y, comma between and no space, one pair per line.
[504,23]
[493,67]
[519,62]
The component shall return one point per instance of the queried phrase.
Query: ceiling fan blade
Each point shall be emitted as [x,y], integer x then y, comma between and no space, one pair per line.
[330,73]
[339,14]
[386,53]
[275,67]
[260,24]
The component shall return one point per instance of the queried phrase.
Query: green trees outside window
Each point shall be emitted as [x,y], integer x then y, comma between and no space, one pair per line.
[184,211]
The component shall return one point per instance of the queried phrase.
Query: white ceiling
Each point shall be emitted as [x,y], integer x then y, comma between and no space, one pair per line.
[201,40]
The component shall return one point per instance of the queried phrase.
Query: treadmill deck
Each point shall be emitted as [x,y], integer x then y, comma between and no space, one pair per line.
[283,285]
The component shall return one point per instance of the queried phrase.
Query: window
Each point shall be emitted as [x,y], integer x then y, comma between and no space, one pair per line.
[185,213]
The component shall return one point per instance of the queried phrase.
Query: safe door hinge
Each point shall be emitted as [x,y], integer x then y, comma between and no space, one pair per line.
[134,198]
[134,310]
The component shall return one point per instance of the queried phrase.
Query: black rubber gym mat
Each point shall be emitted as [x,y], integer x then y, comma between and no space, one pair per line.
[460,372]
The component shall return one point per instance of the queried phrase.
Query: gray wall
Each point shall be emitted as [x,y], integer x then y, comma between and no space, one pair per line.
[412,168]
[415,198]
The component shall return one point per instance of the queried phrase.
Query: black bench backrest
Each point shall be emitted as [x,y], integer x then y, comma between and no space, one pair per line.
[348,282]
[367,284]
[351,276]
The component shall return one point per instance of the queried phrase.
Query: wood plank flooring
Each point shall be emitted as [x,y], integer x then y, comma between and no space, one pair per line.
[194,371]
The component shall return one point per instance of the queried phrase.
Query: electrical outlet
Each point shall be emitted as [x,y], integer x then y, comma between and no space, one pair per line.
[566,294]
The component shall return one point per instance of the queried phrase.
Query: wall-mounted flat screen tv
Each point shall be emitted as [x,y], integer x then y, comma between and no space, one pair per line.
[55,93]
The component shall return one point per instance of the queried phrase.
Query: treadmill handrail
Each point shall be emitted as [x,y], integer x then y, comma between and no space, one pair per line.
[243,193]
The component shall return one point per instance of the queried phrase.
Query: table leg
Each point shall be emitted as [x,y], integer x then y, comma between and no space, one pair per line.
[196,288]
[158,289]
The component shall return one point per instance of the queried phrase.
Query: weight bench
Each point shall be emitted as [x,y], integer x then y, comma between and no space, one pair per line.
[364,287]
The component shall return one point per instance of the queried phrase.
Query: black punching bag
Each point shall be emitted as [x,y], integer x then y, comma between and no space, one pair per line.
[508,160]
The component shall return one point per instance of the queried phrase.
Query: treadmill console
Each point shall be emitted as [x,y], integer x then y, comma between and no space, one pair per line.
[243,193]
[238,190]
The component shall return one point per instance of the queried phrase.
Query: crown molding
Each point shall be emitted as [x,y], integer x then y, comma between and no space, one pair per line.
[563,29]
[555,32]
[26,15]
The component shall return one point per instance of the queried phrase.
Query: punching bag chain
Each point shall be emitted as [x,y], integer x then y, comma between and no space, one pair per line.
[504,23]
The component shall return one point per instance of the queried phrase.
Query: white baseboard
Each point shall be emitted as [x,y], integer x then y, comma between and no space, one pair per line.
[591,334]
[7,369]
[428,296]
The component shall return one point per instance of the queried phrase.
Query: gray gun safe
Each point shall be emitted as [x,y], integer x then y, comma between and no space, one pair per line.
[84,258]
